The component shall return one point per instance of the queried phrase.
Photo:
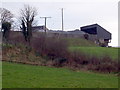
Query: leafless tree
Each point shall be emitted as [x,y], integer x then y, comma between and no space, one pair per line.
[6,15]
[27,16]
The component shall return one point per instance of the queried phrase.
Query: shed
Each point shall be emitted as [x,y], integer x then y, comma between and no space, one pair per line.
[102,35]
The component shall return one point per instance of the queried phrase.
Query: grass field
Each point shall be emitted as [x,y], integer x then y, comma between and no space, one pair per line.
[28,76]
[79,42]
[97,51]
[90,48]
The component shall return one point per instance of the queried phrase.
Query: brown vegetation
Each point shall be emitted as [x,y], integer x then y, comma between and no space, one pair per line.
[54,52]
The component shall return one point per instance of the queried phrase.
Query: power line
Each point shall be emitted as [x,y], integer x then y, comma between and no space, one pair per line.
[45,21]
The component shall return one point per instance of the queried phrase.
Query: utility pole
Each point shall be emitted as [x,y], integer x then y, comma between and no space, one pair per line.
[45,21]
[62,20]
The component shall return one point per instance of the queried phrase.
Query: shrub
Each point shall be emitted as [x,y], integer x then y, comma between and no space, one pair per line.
[80,60]
[51,47]
[16,38]
[59,62]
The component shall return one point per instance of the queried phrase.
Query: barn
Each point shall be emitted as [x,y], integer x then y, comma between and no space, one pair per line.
[98,34]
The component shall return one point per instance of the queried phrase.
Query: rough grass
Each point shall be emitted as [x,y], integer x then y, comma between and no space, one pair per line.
[20,53]
[80,42]
[28,76]
[97,51]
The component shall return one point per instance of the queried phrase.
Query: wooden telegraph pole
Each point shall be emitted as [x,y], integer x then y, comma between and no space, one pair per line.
[45,22]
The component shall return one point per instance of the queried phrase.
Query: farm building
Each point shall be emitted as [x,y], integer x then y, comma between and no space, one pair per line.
[97,34]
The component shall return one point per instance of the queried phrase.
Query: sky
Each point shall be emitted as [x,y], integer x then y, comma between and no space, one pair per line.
[77,13]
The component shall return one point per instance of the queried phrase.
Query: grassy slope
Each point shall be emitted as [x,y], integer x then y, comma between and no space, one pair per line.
[98,51]
[80,42]
[90,48]
[27,76]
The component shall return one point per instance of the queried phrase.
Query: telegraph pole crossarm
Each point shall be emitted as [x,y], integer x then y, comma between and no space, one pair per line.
[45,22]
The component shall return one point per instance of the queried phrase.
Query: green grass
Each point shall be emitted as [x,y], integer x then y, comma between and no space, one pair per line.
[79,42]
[28,76]
[91,49]
[97,51]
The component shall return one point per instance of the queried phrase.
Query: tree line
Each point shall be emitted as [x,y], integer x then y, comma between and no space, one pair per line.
[26,18]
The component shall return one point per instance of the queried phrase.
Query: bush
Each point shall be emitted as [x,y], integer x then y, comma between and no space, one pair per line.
[51,47]
[82,61]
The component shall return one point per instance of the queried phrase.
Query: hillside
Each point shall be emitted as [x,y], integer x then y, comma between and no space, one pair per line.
[21,54]
[91,49]
[75,53]
[97,51]
[67,62]
[72,41]
[80,42]
[28,76]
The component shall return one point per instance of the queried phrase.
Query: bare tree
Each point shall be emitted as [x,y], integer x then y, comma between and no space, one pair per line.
[27,17]
[6,15]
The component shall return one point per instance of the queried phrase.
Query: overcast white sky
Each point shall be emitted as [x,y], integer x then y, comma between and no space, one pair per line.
[77,13]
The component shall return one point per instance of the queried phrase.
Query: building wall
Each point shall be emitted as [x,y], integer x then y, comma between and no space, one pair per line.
[102,33]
